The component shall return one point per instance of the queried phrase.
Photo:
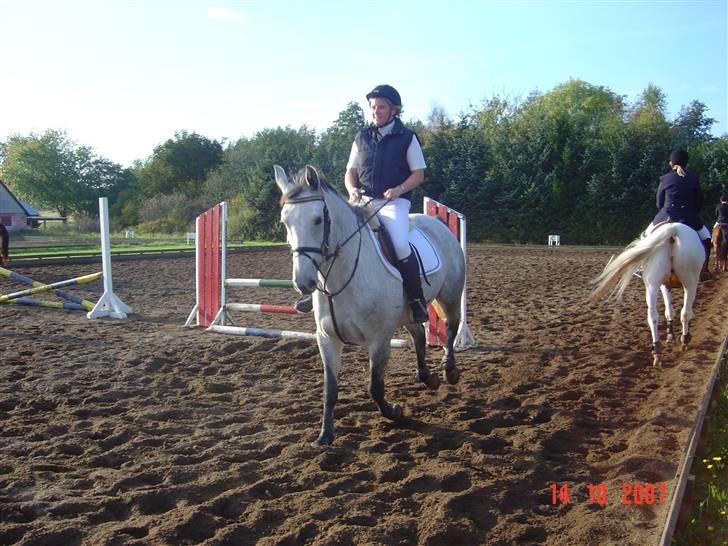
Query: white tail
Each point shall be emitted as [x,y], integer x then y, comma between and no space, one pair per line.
[619,271]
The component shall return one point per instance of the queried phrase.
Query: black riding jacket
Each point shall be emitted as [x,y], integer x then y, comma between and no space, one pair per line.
[721,211]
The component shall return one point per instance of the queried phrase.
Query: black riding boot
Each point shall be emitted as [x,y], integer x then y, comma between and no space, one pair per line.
[704,274]
[410,270]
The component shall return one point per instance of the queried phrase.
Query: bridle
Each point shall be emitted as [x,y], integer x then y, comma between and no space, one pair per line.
[324,249]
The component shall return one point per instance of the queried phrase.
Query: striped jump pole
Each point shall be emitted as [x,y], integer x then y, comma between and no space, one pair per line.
[262,308]
[259,283]
[47,287]
[436,333]
[211,284]
[85,304]
[52,304]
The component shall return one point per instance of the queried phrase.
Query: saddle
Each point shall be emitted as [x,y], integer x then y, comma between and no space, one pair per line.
[385,241]
[715,237]
[427,256]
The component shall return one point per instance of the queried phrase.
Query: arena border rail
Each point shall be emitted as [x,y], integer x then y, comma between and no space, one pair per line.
[211,283]
[677,501]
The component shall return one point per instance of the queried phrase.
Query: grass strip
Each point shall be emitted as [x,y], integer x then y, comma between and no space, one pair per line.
[708,522]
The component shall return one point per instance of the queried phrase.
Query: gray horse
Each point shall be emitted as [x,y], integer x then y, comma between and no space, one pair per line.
[356,300]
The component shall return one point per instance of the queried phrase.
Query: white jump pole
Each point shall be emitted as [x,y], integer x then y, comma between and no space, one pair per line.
[109,305]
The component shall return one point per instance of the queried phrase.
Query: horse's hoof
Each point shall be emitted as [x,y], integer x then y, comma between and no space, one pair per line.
[452,375]
[433,382]
[324,440]
[670,339]
[657,361]
[396,412]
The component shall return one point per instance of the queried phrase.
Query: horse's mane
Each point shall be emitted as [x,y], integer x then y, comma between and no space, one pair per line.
[301,184]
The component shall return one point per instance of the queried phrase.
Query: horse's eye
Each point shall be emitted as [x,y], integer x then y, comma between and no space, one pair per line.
[318,220]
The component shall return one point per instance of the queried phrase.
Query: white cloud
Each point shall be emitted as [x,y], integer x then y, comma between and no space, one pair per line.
[711,89]
[224,14]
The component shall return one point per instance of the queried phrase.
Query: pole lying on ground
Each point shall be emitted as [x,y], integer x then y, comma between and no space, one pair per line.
[51,304]
[46,287]
[85,304]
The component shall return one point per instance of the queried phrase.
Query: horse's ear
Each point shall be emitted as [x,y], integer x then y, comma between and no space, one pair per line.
[312,177]
[281,179]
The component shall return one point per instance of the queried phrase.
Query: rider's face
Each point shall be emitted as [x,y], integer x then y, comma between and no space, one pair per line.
[382,111]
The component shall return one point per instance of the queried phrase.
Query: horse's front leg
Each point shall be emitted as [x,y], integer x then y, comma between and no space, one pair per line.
[653,318]
[330,350]
[667,297]
[417,333]
[378,358]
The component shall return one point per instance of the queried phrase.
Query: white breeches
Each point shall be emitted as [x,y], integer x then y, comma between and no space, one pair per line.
[395,217]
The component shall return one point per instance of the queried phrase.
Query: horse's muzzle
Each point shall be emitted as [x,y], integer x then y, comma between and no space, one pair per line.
[305,288]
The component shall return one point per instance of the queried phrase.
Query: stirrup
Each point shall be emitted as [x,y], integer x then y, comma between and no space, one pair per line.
[304,305]
[419,311]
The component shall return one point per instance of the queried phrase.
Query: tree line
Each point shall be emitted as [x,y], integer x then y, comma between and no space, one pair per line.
[578,160]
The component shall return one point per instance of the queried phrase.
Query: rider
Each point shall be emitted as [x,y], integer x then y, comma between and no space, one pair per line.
[721,211]
[385,164]
[680,198]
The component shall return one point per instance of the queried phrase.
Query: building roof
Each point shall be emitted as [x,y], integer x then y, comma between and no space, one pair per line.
[9,204]
[30,211]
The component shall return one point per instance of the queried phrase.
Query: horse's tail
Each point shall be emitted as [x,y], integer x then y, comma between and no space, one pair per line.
[619,271]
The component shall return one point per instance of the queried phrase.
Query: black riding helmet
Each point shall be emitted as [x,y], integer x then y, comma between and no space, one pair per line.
[679,157]
[386,91]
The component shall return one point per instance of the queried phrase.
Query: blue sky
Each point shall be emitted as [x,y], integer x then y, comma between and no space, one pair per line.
[123,76]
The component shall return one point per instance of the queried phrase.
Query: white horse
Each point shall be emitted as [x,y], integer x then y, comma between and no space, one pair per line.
[670,255]
[356,301]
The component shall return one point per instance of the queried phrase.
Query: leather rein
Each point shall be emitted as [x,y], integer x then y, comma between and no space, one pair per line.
[324,250]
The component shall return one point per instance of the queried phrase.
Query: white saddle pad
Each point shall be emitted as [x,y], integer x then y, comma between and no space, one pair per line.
[430,258]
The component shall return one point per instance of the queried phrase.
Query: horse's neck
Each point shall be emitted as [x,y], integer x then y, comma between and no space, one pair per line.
[344,225]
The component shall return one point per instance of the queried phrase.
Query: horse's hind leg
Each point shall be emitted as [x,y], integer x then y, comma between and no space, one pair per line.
[378,357]
[417,332]
[687,313]
[449,370]
[667,297]
[330,350]
[652,319]
[452,323]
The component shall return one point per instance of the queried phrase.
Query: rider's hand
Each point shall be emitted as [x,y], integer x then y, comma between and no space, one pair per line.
[355,196]
[394,193]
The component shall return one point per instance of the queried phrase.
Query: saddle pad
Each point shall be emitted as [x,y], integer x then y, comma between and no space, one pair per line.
[429,256]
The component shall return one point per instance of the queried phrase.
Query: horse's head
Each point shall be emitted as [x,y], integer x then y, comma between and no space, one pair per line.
[306,217]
